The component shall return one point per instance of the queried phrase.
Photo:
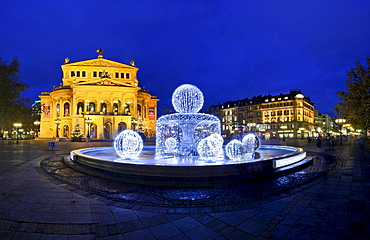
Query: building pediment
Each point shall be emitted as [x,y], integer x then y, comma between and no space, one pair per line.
[100,62]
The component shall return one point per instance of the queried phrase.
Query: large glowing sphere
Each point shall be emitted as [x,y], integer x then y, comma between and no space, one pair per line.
[250,142]
[210,148]
[187,99]
[128,144]
[235,150]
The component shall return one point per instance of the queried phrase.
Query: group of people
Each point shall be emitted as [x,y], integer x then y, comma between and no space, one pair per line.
[331,141]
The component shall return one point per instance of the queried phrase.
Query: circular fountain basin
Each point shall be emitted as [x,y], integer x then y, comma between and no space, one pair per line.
[148,169]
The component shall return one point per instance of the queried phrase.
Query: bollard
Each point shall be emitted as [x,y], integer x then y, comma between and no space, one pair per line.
[52,145]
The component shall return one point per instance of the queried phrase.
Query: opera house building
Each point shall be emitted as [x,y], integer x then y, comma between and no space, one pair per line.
[97,98]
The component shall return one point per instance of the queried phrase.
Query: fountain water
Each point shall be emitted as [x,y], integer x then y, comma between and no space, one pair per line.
[189,151]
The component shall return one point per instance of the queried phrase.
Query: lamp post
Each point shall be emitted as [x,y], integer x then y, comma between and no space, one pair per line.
[88,121]
[57,122]
[17,125]
[37,124]
[340,122]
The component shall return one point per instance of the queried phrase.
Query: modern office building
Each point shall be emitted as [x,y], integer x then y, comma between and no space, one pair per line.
[281,116]
[99,96]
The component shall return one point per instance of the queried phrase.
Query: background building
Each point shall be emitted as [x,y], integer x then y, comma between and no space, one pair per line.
[101,98]
[282,116]
[324,124]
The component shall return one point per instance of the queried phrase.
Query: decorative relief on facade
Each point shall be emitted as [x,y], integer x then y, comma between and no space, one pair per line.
[101,63]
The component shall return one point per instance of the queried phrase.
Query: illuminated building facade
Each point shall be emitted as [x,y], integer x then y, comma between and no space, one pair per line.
[99,96]
[324,124]
[282,116]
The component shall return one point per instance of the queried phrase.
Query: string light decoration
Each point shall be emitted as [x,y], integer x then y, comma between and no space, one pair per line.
[210,148]
[235,150]
[187,99]
[251,142]
[171,144]
[128,144]
[187,126]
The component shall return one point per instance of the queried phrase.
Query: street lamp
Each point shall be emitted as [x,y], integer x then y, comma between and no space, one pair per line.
[340,122]
[88,121]
[57,122]
[17,125]
[37,123]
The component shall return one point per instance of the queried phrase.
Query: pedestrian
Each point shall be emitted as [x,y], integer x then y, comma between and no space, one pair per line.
[331,142]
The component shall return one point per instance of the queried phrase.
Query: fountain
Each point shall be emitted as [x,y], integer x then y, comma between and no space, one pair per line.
[189,151]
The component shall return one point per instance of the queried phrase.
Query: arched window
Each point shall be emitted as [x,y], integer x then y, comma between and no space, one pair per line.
[66,109]
[115,108]
[107,130]
[139,110]
[122,126]
[80,108]
[103,108]
[65,131]
[58,110]
[91,108]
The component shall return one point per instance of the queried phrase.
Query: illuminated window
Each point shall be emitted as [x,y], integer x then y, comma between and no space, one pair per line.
[273,99]
[266,100]
[285,97]
[279,99]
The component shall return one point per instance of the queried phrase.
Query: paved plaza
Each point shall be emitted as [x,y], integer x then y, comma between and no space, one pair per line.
[35,205]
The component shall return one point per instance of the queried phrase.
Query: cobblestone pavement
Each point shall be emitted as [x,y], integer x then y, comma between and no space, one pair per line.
[331,201]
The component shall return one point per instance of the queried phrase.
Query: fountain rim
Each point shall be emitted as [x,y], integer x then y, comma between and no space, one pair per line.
[189,176]
[294,151]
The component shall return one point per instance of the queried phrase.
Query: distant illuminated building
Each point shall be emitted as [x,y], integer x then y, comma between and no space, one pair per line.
[281,116]
[324,124]
[102,97]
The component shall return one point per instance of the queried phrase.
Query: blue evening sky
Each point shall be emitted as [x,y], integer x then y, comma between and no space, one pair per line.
[229,49]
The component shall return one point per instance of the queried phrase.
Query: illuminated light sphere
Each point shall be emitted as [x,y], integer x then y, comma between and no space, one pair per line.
[210,148]
[215,140]
[187,99]
[128,144]
[250,142]
[171,143]
[235,150]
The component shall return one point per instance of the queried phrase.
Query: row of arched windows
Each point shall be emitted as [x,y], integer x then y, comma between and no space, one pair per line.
[89,107]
